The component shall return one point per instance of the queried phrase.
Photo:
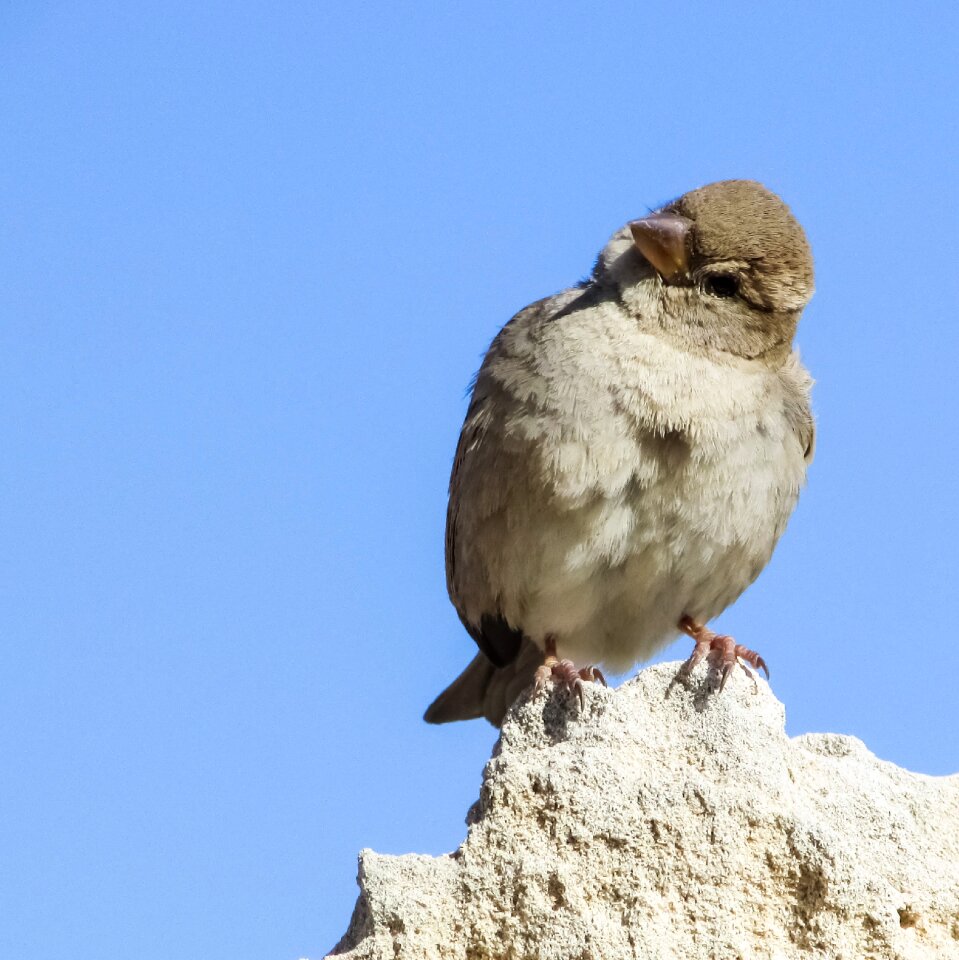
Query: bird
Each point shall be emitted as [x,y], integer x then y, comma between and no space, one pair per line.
[632,451]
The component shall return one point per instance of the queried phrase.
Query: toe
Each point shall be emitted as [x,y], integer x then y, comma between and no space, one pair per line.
[593,675]
[542,677]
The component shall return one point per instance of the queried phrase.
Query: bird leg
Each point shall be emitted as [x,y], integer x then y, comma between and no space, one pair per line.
[727,650]
[564,672]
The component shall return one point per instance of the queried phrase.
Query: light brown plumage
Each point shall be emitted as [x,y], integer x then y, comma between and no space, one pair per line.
[634,446]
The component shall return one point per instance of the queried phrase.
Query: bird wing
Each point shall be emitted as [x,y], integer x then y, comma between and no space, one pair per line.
[493,634]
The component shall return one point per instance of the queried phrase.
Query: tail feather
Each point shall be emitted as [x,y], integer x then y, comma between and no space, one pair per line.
[483,690]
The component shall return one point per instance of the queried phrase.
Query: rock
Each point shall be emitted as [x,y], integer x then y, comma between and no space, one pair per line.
[666,821]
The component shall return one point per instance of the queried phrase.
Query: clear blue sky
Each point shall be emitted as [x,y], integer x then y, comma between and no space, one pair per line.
[251,256]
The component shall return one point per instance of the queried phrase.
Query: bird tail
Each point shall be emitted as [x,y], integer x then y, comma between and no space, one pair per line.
[483,690]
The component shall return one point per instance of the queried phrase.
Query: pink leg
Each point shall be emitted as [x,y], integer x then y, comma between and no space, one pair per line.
[564,672]
[727,650]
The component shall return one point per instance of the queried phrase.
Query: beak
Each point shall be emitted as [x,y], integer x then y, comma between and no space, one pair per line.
[661,239]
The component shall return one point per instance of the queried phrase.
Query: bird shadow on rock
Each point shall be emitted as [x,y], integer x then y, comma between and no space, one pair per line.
[562,709]
[557,711]
[704,687]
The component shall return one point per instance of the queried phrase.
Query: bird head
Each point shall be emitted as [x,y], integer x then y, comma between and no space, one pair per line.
[724,267]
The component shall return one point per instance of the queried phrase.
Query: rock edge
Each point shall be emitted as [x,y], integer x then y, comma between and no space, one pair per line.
[664,820]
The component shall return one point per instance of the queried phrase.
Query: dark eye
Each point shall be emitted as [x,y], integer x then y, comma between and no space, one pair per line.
[722,285]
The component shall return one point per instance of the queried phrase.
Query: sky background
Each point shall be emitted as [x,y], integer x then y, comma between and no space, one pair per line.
[251,256]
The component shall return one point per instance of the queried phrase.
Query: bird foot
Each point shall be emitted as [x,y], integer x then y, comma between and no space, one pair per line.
[565,673]
[721,648]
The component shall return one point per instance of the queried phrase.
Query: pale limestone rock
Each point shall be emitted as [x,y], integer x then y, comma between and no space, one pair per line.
[667,821]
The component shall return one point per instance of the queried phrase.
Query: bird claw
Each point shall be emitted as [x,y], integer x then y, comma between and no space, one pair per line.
[758,663]
[566,675]
[593,675]
[721,647]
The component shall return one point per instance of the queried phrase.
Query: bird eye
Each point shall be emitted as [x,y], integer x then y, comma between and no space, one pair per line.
[722,285]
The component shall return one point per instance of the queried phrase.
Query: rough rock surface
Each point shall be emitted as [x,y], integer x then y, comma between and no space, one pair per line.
[666,821]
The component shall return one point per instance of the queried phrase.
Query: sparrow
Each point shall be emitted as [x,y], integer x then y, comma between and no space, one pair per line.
[632,451]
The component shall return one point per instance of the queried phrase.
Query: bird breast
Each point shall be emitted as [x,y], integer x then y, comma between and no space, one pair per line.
[611,482]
